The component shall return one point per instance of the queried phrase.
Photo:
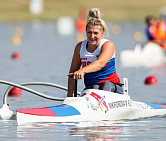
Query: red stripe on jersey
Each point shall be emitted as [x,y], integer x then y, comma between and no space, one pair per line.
[113,78]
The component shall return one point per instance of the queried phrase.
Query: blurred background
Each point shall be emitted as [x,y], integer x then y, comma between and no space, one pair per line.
[23,10]
[38,36]
[38,32]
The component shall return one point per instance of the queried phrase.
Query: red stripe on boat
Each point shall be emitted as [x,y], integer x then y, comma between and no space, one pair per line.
[164,106]
[43,111]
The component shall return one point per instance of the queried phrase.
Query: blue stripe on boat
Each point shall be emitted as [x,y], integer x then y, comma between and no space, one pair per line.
[64,110]
[155,106]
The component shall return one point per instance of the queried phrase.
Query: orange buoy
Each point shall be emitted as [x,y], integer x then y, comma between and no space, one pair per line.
[81,26]
[151,80]
[15,92]
[16,40]
[16,55]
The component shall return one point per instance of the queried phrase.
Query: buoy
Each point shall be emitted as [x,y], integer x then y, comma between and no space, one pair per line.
[19,31]
[16,55]
[36,6]
[16,40]
[80,26]
[80,37]
[15,92]
[65,26]
[151,80]
[137,36]
[116,29]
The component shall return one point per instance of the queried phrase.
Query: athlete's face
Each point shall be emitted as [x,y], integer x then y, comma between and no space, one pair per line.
[152,21]
[94,35]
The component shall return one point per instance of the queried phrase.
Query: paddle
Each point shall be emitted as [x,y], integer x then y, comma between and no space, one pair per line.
[75,85]
[6,113]
[21,86]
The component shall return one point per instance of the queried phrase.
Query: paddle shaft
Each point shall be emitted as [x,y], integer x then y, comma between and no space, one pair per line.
[75,85]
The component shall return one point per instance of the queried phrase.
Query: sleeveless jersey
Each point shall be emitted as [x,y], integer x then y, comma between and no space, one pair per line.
[107,73]
[151,32]
[158,32]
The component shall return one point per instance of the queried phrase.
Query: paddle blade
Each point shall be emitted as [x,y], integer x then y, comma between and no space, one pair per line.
[5,112]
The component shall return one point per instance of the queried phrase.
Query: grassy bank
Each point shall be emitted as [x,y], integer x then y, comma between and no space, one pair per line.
[115,10]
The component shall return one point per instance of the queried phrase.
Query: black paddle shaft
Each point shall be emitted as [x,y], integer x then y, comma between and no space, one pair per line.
[75,85]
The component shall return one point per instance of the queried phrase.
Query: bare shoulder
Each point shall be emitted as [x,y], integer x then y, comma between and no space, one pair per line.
[107,51]
[108,44]
[77,48]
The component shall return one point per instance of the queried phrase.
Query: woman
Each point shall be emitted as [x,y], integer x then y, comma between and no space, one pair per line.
[97,57]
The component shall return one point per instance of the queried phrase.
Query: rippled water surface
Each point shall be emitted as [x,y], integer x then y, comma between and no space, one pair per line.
[46,57]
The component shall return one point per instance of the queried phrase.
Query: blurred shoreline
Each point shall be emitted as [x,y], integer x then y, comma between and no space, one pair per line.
[121,10]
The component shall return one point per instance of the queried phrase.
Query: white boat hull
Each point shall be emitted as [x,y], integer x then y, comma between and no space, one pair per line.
[150,54]
[94,105]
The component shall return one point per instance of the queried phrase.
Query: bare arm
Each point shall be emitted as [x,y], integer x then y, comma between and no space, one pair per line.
[106,54]
[157,41]
[75,65]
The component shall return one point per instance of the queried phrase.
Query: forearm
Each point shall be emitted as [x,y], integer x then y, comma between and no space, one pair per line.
[93,67]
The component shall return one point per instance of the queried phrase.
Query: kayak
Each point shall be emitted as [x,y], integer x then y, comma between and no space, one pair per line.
[149,54]
[92,105]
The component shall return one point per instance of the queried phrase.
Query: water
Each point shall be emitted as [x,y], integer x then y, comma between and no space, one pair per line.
[46,57]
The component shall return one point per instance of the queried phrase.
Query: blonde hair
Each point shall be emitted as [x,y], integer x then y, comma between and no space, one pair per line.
[94,19]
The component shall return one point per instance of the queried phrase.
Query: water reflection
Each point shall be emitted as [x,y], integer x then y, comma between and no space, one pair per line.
[159,70]
[95,131]
[99,130]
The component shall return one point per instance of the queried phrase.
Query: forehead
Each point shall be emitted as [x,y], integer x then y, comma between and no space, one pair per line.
[94,28]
